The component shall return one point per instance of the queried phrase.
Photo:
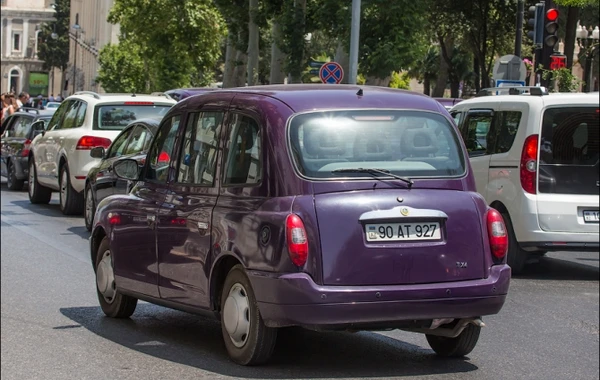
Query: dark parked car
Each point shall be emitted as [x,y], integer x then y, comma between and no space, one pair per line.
[331,207]
[101,180]
[18,130]
[182,93]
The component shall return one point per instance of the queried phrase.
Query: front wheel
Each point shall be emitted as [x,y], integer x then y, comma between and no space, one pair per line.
[89,210]
[462,345]
[37,193]
[113,303]
[247,339]
[12,182]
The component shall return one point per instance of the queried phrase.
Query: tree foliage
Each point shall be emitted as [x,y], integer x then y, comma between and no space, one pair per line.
[55,51]
[179,41]
[122,69]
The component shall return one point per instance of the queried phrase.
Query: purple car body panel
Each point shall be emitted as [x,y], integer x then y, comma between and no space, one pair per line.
[173,239]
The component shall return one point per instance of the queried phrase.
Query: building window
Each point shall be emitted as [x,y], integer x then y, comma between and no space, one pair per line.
[16,42]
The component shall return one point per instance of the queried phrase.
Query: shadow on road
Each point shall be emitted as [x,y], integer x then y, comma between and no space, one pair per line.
[549,268]
[197,342]
[80,231]
[52,209]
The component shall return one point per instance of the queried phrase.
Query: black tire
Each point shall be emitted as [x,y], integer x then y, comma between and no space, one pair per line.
[89,212]
[260,340]
[119,305]
[71,202]
[455,347]
[517,257]
[12,181]
[38,194]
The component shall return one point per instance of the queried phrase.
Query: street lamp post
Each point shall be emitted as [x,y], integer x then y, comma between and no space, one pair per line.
[77,28]
[588,40]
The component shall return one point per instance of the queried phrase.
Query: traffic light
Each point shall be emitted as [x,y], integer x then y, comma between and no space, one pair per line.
[551,27]
[535,24]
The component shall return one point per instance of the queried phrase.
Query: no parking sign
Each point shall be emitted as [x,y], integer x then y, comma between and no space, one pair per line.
[331,73]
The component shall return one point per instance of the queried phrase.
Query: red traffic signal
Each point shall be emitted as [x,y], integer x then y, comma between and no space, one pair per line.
[552,14]
[558,62]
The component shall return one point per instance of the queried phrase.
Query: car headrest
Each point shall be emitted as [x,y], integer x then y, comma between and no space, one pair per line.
[372,148]
[418,142]
[320,142]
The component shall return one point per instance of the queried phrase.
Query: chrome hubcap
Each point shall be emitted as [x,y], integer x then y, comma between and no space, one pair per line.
[105,278]
[236,315]
[31,182]
[89,206]
[63,188]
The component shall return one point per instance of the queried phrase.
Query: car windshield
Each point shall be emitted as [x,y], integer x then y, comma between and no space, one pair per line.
[403,143]
[117,117]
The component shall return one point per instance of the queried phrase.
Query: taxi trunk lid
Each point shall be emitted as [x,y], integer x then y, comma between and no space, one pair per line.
[450,246]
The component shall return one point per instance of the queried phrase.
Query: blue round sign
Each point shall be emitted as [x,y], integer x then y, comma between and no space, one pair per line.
[331,73]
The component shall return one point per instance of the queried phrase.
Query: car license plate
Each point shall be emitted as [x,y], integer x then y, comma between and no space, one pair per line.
[403,231]
[591,216]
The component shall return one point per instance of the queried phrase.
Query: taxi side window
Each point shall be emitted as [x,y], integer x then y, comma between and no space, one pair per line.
[507,124]
[243,154]
[162,150]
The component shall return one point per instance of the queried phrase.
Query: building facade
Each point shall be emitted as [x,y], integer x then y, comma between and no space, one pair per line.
[89,32]
[21,24]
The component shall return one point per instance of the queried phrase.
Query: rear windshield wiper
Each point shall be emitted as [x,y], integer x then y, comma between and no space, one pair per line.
[374,171]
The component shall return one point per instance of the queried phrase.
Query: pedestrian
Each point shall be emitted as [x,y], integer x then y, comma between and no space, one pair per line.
[51,98]
[58,98]
[23,99]
[9,105]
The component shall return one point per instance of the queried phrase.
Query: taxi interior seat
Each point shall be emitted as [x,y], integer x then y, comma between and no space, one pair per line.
[324,147]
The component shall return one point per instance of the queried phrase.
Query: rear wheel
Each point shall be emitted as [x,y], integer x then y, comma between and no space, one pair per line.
[247,339]
[37,192]
[12,181]
[89,210]
[113,303]
[517,257]
[455,347]
[71,202]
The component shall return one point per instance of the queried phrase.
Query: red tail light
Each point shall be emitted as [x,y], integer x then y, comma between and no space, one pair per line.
[529,164]
[89,142]
[114,219]
[296,239]
[26,148]
[497,234]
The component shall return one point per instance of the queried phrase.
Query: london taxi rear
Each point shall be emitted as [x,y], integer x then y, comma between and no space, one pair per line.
[361,215]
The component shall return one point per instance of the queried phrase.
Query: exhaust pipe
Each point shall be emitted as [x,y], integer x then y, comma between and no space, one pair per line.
[434,329]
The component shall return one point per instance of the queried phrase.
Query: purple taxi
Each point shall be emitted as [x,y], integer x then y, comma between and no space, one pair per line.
[331,207]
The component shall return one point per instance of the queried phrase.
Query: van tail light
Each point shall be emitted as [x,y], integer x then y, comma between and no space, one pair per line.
[296,239]
[26,148]
[89,142]
[529,164]
[497,234]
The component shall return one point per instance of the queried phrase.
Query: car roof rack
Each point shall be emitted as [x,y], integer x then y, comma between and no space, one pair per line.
[162,94]
[513,90]
[94,94]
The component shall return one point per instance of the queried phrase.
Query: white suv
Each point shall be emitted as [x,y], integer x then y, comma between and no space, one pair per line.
[535,159]
[60,158]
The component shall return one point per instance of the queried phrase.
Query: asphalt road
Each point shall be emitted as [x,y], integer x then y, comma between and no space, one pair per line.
[53,328]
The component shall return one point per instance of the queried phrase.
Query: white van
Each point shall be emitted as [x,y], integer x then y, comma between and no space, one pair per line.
[535,159]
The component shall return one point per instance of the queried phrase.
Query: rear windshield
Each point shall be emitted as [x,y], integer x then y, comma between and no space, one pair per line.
[570,136]
[117,117]
[407,143]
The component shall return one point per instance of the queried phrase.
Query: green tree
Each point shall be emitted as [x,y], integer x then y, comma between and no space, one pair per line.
[54,47]
[122,69]
[179,41]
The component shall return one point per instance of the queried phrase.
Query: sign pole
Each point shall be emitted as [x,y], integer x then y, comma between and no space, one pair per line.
[354,37]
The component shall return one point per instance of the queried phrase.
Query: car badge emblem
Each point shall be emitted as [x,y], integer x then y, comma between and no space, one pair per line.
[404,211]
[400,199]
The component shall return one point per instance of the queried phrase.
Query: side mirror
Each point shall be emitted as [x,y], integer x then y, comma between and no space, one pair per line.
[128,169]
[97,152]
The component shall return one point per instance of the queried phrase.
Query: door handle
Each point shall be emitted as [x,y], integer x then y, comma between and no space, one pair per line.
[151,220]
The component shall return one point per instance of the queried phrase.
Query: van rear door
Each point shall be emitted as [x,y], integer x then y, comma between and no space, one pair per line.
[568,171]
